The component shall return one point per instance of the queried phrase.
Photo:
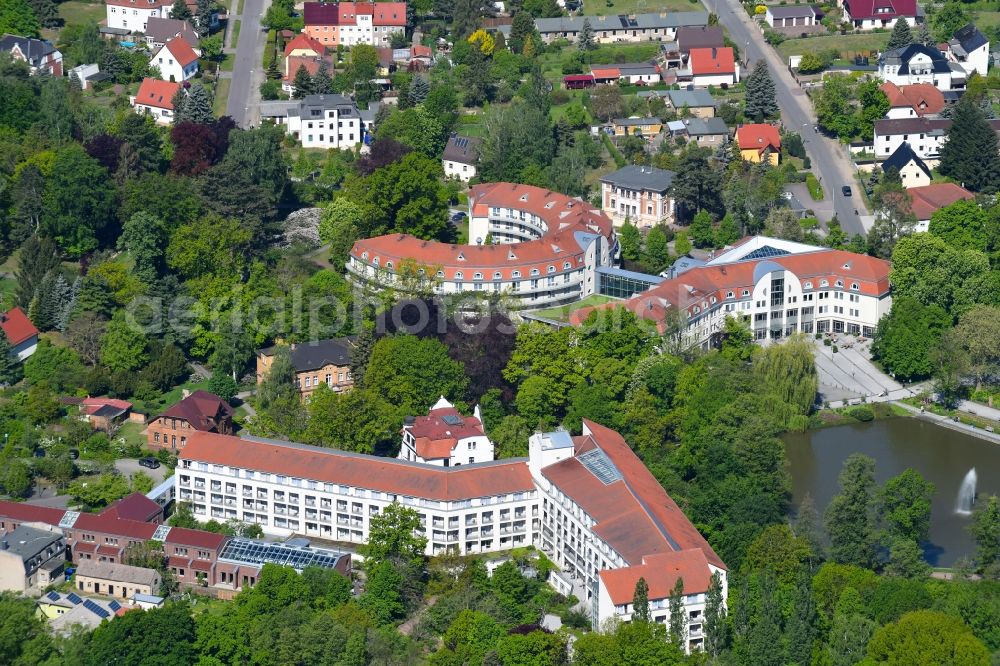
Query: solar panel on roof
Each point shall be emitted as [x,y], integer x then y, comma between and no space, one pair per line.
[68,519]
[52,596]
[74,599]
[451,419]
[95,609]
[600,466]
[766,251]
[161,533]
[114,605]
[258,552]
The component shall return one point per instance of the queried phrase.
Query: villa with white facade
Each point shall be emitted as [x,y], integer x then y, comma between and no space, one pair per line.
[445,438]
[588,502]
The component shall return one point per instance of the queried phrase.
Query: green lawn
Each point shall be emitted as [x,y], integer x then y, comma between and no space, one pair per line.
[236,32]
[132,433]
[221,96]
[227,62]
[606,8]
[843,43]
[987,19]
[239,8]
[563,312]
[74,11]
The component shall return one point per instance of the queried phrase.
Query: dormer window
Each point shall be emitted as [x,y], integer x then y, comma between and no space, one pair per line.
[746,292]
[364,255]
[854,286]
[477,276]
[516,274]
[461,256]
[840,283]
[496,276]
[440,274]
[551,269]
[534,271]
[375,261]
[459,275]
[388,264]
[824,283]
[807,285]
[729,294]
[566,265]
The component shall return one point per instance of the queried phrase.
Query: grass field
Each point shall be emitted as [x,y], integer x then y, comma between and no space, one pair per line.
[221,96]
[236,32]
[563,312]
[603,8]
[227,62]
[74,11]
[843,43]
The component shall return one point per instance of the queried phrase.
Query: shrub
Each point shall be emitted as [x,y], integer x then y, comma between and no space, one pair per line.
[835,350]
[862,413]
[798,423]
[815,190]
[826,342]
[819,336]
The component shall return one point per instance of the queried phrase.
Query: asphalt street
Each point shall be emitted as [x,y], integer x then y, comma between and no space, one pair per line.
[829,160]
[248,73]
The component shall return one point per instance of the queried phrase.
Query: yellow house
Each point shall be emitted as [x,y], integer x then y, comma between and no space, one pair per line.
[646,127]
[757,140]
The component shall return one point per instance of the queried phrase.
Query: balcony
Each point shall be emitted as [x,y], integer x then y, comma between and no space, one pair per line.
[470,522]
[310,501]
[229,501]
[248,493]
[199,484]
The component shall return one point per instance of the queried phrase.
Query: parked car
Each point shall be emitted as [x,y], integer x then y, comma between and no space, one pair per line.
[846,189]
[151,463]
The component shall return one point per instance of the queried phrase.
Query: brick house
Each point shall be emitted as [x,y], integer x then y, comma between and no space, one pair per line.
[40,55]
[201,411]
[322,362]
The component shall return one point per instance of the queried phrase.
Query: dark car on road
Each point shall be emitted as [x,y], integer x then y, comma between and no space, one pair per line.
[151,463]
[846,189]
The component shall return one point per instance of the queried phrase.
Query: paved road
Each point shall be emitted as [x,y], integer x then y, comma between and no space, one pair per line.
[828,159]
[248,74]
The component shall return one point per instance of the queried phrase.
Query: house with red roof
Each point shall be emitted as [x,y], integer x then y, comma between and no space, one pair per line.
[156,98]
[20,332]
[200,411]
[873,14]
[445,437]
[913,101]
[348,23]
[176,60]
[714,66]
[926,200]
[758,142]
[304,45]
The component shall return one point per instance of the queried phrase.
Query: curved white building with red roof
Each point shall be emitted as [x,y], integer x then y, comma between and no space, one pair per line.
[544,250]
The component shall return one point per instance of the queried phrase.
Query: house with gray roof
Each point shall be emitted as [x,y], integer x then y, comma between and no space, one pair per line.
[707,132]
[40,55]
[460,156]
[32,557]
[698,102]
[791,16]
[699,37]
[321,121]
[660,26]
[917,63]
[638,194]
[970,50]
[316,362]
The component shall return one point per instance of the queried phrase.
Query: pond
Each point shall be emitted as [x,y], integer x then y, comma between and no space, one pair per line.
[941,455]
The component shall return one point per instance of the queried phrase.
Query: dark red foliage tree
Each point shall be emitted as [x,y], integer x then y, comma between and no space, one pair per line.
[383,153]
[106,149]
[197,146]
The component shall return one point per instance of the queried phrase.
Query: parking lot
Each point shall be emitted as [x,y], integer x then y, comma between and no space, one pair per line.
[129,466]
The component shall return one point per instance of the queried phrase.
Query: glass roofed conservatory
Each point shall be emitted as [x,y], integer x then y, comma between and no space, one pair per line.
[258,553]
[764,252]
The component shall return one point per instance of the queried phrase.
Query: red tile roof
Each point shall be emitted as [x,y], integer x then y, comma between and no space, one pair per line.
[866,9]
[420,51]
[708,61]
[696,287]
[196,538]
[606,73]
[134,507]
[759,136]
[302,41]
[387,475]
[389,13]
[157,93]
[30,513]
[202,410]
[311,63]
[923,98]
[563,215]
[929,198]
[634,515]
[16,326]
[661,573]
[181,51]
[436,439]
[346,13]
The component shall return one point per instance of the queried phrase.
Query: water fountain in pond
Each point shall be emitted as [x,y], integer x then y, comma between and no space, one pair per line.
[966,494]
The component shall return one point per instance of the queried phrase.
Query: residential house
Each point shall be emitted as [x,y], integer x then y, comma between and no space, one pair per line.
[917,63]
[105,413]
[176,60]
[912,170]
[926,200]
[713,67]
[32,557]
[311,64]
[872,14]
[696,103]
[20,332]
[791,16]
[88,75]
[661,26]
[635,73]
[348,23]
[645,127]
[316,363]
[161,30]
[40,55]
[322,121]
[156,97]
[65,612]
[706,132]
[699,37]
[912,101]
[115,580]
[460,156]
[445,438]
[134,15]
[925,135]
[970,50]
[200,411]
[638,194]
[304,45]
[758,142]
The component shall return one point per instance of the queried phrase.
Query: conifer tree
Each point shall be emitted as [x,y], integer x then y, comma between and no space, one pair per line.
[715,617]
[901,35]
[640,601]
[204,22]
[322,82]
[178,101]
[10,367]
[678,616]
[923,35]
[180,11]
[800,629]
[302,84]
[419,89]
[585,42]
[760,97]
[970,155]
[197,106]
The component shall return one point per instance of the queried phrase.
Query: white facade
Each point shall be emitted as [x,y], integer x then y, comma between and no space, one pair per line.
[460,170]
[880,24]
[132,15]
[324,121]
[445,438]
[160,115]
[926,144]
[170,68]
[921,67]
[706,80]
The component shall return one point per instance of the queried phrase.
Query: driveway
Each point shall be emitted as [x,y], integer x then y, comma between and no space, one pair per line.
[248,73]
[128,466]
[829,159]
[849,374]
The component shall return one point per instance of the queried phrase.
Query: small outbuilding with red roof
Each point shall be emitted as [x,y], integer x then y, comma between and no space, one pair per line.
[20,332]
